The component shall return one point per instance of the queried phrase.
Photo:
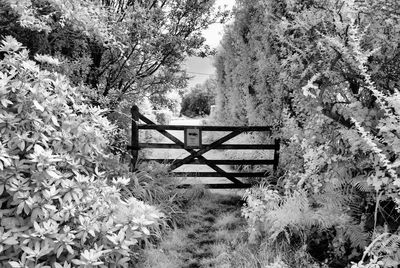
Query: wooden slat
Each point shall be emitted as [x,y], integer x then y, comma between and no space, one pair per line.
[160,146]
[219,186]
[218,162]
[276,154]
[134,147]
[194,153]
[219,170]
[202,128]
[198,154]
[246,147]
[163,132]
[216,174]
[205,148]
[146,145]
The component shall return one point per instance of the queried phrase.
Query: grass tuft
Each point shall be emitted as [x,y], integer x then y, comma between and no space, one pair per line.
[229,221]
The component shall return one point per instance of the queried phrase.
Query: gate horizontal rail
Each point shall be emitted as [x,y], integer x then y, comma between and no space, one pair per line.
[219,186]
[206,128]
[221,147]
[218,162]
[196,152]
[216,174]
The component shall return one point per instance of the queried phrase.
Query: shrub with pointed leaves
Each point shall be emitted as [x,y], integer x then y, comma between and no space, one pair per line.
[327,74]
[59,206]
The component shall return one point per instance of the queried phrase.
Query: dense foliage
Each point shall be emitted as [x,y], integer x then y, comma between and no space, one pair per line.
[60,200]
[198,101]
[325,72]
[123,50]
[66,197]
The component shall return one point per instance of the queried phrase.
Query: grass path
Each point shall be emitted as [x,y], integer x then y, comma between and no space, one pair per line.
[212,222]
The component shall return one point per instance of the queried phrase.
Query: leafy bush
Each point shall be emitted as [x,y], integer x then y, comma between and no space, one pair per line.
[382,145]
[331,91]
[198,101]
[59,194]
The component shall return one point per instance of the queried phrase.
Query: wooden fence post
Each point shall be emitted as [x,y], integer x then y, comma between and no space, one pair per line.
[276,154]
[134,137]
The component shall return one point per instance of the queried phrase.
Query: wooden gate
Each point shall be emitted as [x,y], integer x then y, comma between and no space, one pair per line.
[193,144]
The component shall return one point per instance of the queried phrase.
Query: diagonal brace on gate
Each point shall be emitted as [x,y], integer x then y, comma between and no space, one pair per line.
[198,154]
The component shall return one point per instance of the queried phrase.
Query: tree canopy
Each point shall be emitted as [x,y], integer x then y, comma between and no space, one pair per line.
[121,49]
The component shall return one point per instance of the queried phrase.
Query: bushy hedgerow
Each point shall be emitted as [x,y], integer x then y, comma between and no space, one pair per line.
[59,203]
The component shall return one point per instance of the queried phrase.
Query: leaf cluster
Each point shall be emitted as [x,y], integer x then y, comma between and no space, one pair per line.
[60,200]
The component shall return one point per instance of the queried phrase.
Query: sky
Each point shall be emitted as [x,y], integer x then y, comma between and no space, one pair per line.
[202,68]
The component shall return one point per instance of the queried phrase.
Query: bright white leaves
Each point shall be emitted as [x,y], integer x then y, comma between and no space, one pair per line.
[59,205]
[307,89]
[47,59]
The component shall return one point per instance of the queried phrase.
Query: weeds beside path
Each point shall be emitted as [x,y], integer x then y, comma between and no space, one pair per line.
[211,224]
[212,221]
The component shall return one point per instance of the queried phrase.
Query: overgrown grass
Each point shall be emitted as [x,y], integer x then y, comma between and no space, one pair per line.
[192,244]
[168,254]
[213,233]
[154,185]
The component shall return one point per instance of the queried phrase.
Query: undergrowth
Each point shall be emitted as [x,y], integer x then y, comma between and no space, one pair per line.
[214,233]
[206,215]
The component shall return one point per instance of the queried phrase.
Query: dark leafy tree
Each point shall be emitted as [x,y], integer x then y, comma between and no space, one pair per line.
[198,101]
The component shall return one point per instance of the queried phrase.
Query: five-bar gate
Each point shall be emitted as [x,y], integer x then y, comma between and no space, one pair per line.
[193,144]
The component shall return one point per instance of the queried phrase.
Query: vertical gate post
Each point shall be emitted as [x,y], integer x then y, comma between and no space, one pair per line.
[134,136]
[276,154]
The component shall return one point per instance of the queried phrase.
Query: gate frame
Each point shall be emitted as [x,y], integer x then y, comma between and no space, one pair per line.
[196,156]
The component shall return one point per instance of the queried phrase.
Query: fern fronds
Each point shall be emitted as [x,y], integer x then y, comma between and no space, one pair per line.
[295,214]
[361,184]
[386,248]
[369,139]
[357,236]
[331,199]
